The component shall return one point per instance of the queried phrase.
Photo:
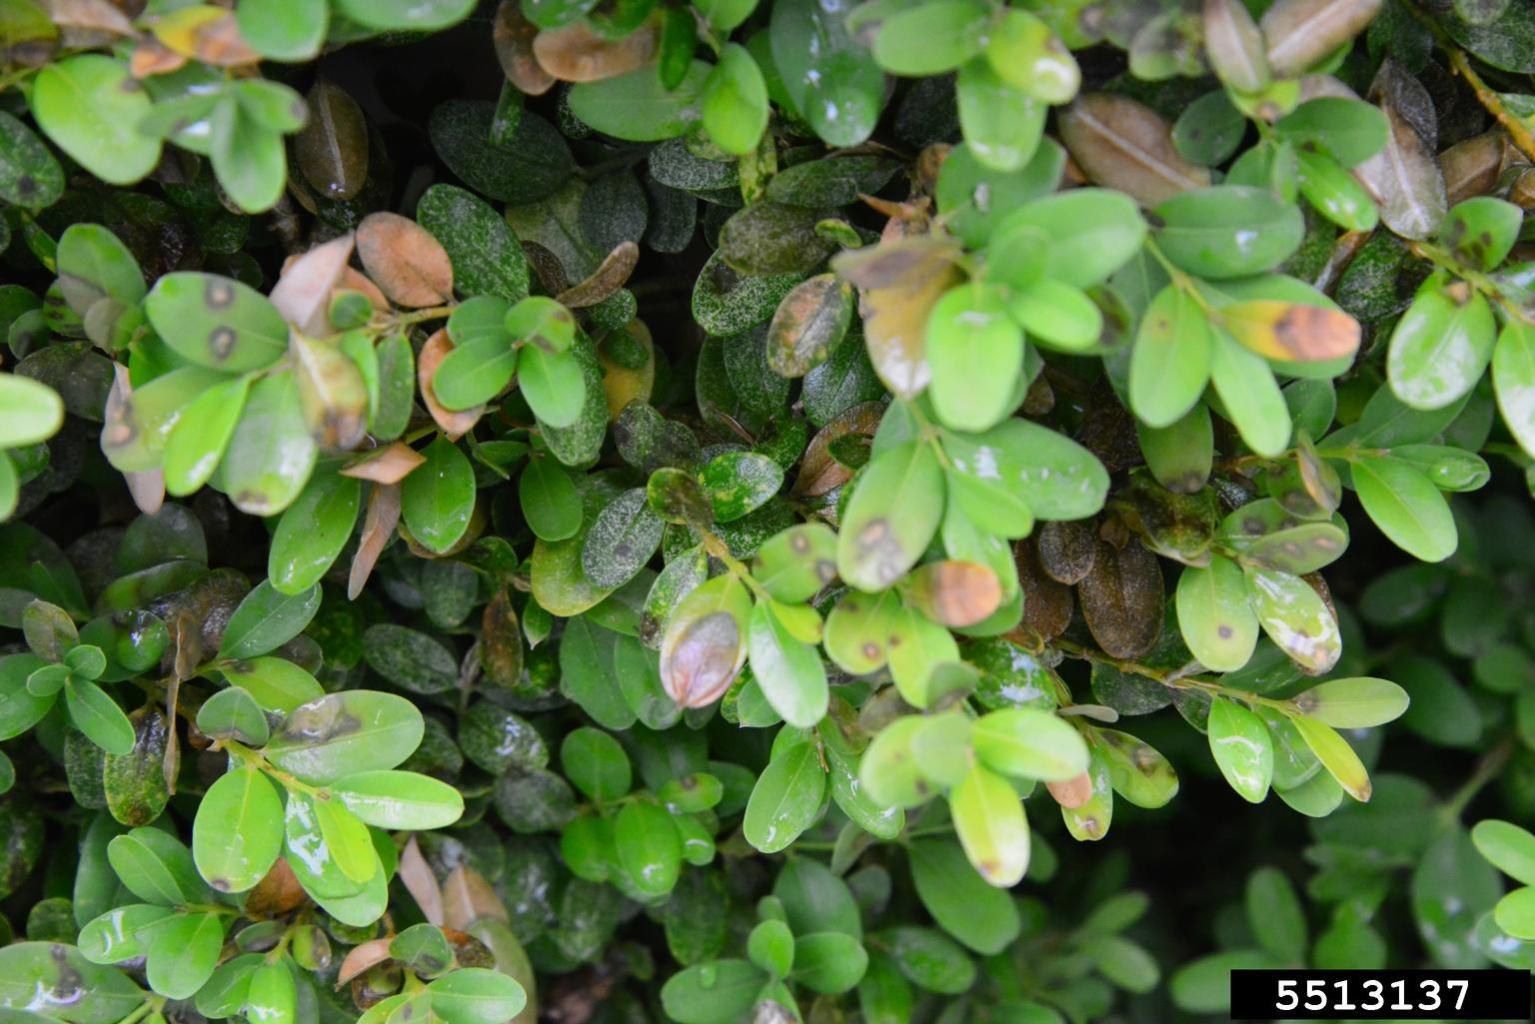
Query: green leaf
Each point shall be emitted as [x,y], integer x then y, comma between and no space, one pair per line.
[1508,847]
[830,76]
[980,916]
[1406,506]
[1336,756]
[271,454]
[247,155]
[237,834]
[1170,363]
[120,934]
[344,733]
[990,824]
[1052,475]
[786,799]
[312,532]
[1213,613]
[266,619]
[624,536]
[156,868]
[713,992]
[282,30]
[554,385]
[931,38]
[30,412]
[649,847]
[550,504]
[408,15]
[788,669]
[216,322]
[399,800]
[735,101]
[1242,747]
[98,716]
[234,714]
[91,107]
[595,763]
[636,107]
[1349,130]
[437,498]
[1029,744]
[201,435]
[1481,231]
[29,175]
[975,352]
[59,974]
[1359,702]
[1441,344]
[183,951]
[1223,231]
[487,258]
[476,995]
[875,548]
[1092,232]
[1295,618]
[738,483]
[828,962]
[1003,124]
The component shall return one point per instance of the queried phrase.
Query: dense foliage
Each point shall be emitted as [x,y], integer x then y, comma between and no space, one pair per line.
[623,510]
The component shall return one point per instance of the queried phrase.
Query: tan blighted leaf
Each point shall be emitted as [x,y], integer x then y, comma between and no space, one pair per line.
[387,465]
[1235,46]
[332,148]
[1067,548]
[205,33]
[1404,179]
[421,882]
[378,525]
[1301,32]
[808,324]
[1285,330]
[98,16]
[819,472]
[605,280]
[453,424]
[303,291]
[955,594]
[1072,793]
[899,283]
[467,897]
[575,53]
[363,958]
[1125,145]
[512,35]
[331,392]
[632,377]
[404,260]
[1122,599]
[501,642]
[151,57]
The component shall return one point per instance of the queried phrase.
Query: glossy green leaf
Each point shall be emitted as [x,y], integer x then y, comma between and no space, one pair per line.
[91,108]
[1406,506]
[1242,748]
[437,498]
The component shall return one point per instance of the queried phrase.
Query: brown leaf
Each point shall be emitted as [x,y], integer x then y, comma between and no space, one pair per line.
[1302,32]
[98,15]
[332,148]
[1074,792]
[955,594]
[1067,549]
[701,663]
[361,959]
[1047,604]
[151,58]
[355,280]
[577,54]
[899,283]
[387,465]
[404,260]
[605,280]
[810,321]
[453,424]
[1235,46]
[277,893]
[331,393]
[1125,145]
[1285,330]
[377,529]
[467,897]
[1471,167]
[303,290]
[1122,600]
[512,36]
[819,473]
[501,642]
[421,882]
[1405,179]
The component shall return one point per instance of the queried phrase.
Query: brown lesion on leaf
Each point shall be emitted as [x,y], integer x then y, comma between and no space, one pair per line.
[218,293]
[221,341]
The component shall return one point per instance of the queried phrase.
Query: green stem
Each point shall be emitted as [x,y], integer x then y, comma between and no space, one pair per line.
[1487,769]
